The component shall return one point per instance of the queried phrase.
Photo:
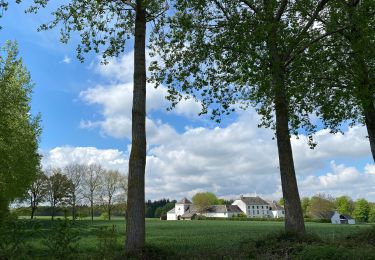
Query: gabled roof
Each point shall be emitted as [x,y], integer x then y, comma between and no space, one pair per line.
[171,211]
[184,201]
[253,201]
[222,209]
[275,206]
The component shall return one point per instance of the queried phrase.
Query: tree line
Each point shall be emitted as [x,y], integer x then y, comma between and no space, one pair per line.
[78,184]
[291,60]
[320,206]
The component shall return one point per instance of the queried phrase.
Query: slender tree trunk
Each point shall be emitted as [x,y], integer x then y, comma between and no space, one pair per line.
[74,207]
[32,212]
[370,124]
[109,209]
[294,221]
[53,212]
[135,221]
[92,209]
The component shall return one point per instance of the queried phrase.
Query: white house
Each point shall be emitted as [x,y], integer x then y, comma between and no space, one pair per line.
[253,207]
[276,210]
[184,210]
[338,218]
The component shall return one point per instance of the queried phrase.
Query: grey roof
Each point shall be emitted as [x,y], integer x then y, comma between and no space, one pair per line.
[253,201]
[346,216]
[275,206]
[184,201]
[171,211]
[222,209]
[190,211]
[188,215]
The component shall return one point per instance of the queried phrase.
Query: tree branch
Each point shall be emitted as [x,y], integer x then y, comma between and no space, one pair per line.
[281,10]
[251,5]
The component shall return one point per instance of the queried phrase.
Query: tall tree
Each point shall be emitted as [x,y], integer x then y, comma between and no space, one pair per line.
[225,52]
[19,130]
[204,199]
[75,173]
[361,210]
[38,191]
[91,184]
[321,206]
[344,205]
[110,186]
[59,189]
[104,26]
[347,81]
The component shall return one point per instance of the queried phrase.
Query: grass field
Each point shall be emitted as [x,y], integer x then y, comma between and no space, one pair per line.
[182,238]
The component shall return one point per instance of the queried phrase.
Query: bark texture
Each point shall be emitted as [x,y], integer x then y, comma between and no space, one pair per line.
[294,221]
[370,124]
[135,221]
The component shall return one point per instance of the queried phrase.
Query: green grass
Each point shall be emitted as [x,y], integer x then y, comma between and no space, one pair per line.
[184,238]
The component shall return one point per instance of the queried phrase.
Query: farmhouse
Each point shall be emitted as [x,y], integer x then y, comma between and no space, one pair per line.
[254,207]
[338,218]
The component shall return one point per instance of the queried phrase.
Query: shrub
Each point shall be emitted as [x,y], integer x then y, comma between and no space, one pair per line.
[107,241]
[63,240]
[104,216]
[277,245]
[13,239]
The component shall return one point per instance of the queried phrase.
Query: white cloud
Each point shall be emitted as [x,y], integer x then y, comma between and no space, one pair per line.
[237,159]
[67,60]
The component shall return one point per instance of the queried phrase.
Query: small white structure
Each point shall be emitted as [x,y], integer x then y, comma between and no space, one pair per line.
[179,210]
[253,207]
[276,210]
[338,218]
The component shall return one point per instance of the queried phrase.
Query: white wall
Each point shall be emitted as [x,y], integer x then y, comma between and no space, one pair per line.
[241,205]
[171,216]
[335,219]
[215,215]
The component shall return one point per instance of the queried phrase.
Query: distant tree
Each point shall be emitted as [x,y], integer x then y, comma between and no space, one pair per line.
[75,173]
[38,191]
[344,205]
[19,130]
[204,199]
[160,211]
[59,189]
[371,215]
[305,203]
[110,186]
[361,210]
[91,184]
[321,206]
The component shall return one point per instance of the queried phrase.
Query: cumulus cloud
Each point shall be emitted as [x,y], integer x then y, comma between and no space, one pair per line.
[232,160]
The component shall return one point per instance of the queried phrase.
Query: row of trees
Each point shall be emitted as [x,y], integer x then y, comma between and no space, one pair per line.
[320,206]
[78,184]
[289,59]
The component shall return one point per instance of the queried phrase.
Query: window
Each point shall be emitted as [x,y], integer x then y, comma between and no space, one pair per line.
[253,212]
[248,207]
[258,212]
[257,207]
[262,206]
[283,212]
[253,207]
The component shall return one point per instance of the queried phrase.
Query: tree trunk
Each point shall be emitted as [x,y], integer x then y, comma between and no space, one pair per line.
[92,209]
[370,124]
[53,212]
[74,207]
[32,212]
[109,209]
[135,221]
[294,221]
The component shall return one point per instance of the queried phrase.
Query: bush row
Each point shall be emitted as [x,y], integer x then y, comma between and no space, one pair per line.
[260,219]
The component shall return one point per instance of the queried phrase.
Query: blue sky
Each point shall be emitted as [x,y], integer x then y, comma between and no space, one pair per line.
[85,110]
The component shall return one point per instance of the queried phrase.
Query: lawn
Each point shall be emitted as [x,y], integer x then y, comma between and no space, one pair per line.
[182,238]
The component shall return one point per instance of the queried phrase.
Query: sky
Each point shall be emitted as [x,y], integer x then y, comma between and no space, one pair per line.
[86,118]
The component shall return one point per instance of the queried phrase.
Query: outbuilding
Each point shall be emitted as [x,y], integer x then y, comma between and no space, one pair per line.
[338,218]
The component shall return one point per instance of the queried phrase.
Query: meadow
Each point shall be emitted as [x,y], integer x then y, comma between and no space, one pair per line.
[177,239]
